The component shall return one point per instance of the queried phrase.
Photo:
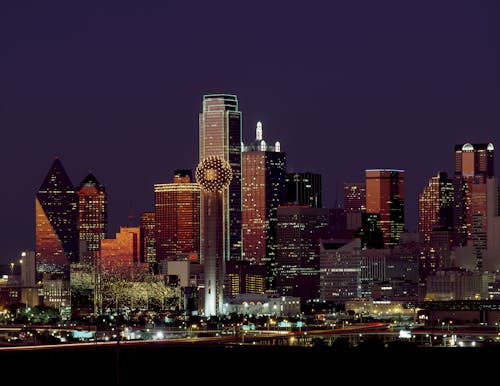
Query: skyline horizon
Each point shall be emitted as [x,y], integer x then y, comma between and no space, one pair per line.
[344,86]
[114,227]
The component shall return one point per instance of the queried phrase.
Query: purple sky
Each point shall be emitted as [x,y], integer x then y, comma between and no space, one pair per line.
[343,85]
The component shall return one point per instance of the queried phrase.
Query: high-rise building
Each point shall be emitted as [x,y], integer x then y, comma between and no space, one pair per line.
[354,204]
[304,189]
[56,208]
[92,229]
[385,196]
[263,187]
[299,231]
[147,225]
[177,216]
[219,174]
[122,253]
[220,136]
[474,164]
[92,218]
[435,206]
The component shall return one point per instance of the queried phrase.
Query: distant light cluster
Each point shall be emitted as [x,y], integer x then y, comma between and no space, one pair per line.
[214,174]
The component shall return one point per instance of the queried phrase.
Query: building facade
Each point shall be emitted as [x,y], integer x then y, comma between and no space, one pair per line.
[304,189]
[177,217]
[92,218]
[385,197]
[435,206]
[56,211]
[263,189]
[299,231]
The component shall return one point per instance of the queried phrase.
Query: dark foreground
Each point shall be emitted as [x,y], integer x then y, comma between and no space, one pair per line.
[192,364]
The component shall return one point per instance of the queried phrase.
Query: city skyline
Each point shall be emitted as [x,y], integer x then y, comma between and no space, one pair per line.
[344,88]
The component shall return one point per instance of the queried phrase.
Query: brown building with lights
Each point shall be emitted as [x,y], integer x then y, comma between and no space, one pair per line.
[92,218]
[122,253]
[177,218]
[385,197]
[263,190]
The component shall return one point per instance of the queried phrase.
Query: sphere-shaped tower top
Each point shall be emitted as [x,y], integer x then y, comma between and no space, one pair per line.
[214,174]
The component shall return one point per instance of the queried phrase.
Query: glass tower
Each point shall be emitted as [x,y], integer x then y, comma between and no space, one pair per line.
[385,196]
[56,210]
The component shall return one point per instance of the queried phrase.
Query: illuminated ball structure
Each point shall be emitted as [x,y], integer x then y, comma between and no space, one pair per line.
[214,174]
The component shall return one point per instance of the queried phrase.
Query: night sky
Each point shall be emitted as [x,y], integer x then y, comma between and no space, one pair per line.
[115,88]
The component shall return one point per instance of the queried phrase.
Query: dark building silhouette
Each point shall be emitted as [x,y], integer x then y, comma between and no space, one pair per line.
[299,231]
[304,189]
[56,239]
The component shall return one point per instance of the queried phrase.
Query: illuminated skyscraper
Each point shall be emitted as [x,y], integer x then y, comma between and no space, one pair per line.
[92,228]
[435,206]
[385,196]
[304,189]
[177,216]
[474,164]
[92,218]
[148,237]
[56,208]
[299,230]
[219,174]
[220,136]
[263,187]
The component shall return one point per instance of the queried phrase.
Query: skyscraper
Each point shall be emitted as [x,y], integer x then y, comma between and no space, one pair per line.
[148,237]
[263,187]
[92,229]
[474,164]
[304,189]
[299,231]
[220,136]
[56,209]
[385,196]
[435,206]
[177,216]
[92,218]
[219,174]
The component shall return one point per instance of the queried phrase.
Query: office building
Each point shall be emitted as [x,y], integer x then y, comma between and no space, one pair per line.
[299,231]
[177,217]
[304,189]
[435,206]
[263,189]
[385,197]
[56,210]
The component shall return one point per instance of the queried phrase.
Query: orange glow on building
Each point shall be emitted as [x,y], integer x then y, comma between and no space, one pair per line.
[123,251]
[56,238]
[177,216]
[435,206]
[92,218]
[385,196]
